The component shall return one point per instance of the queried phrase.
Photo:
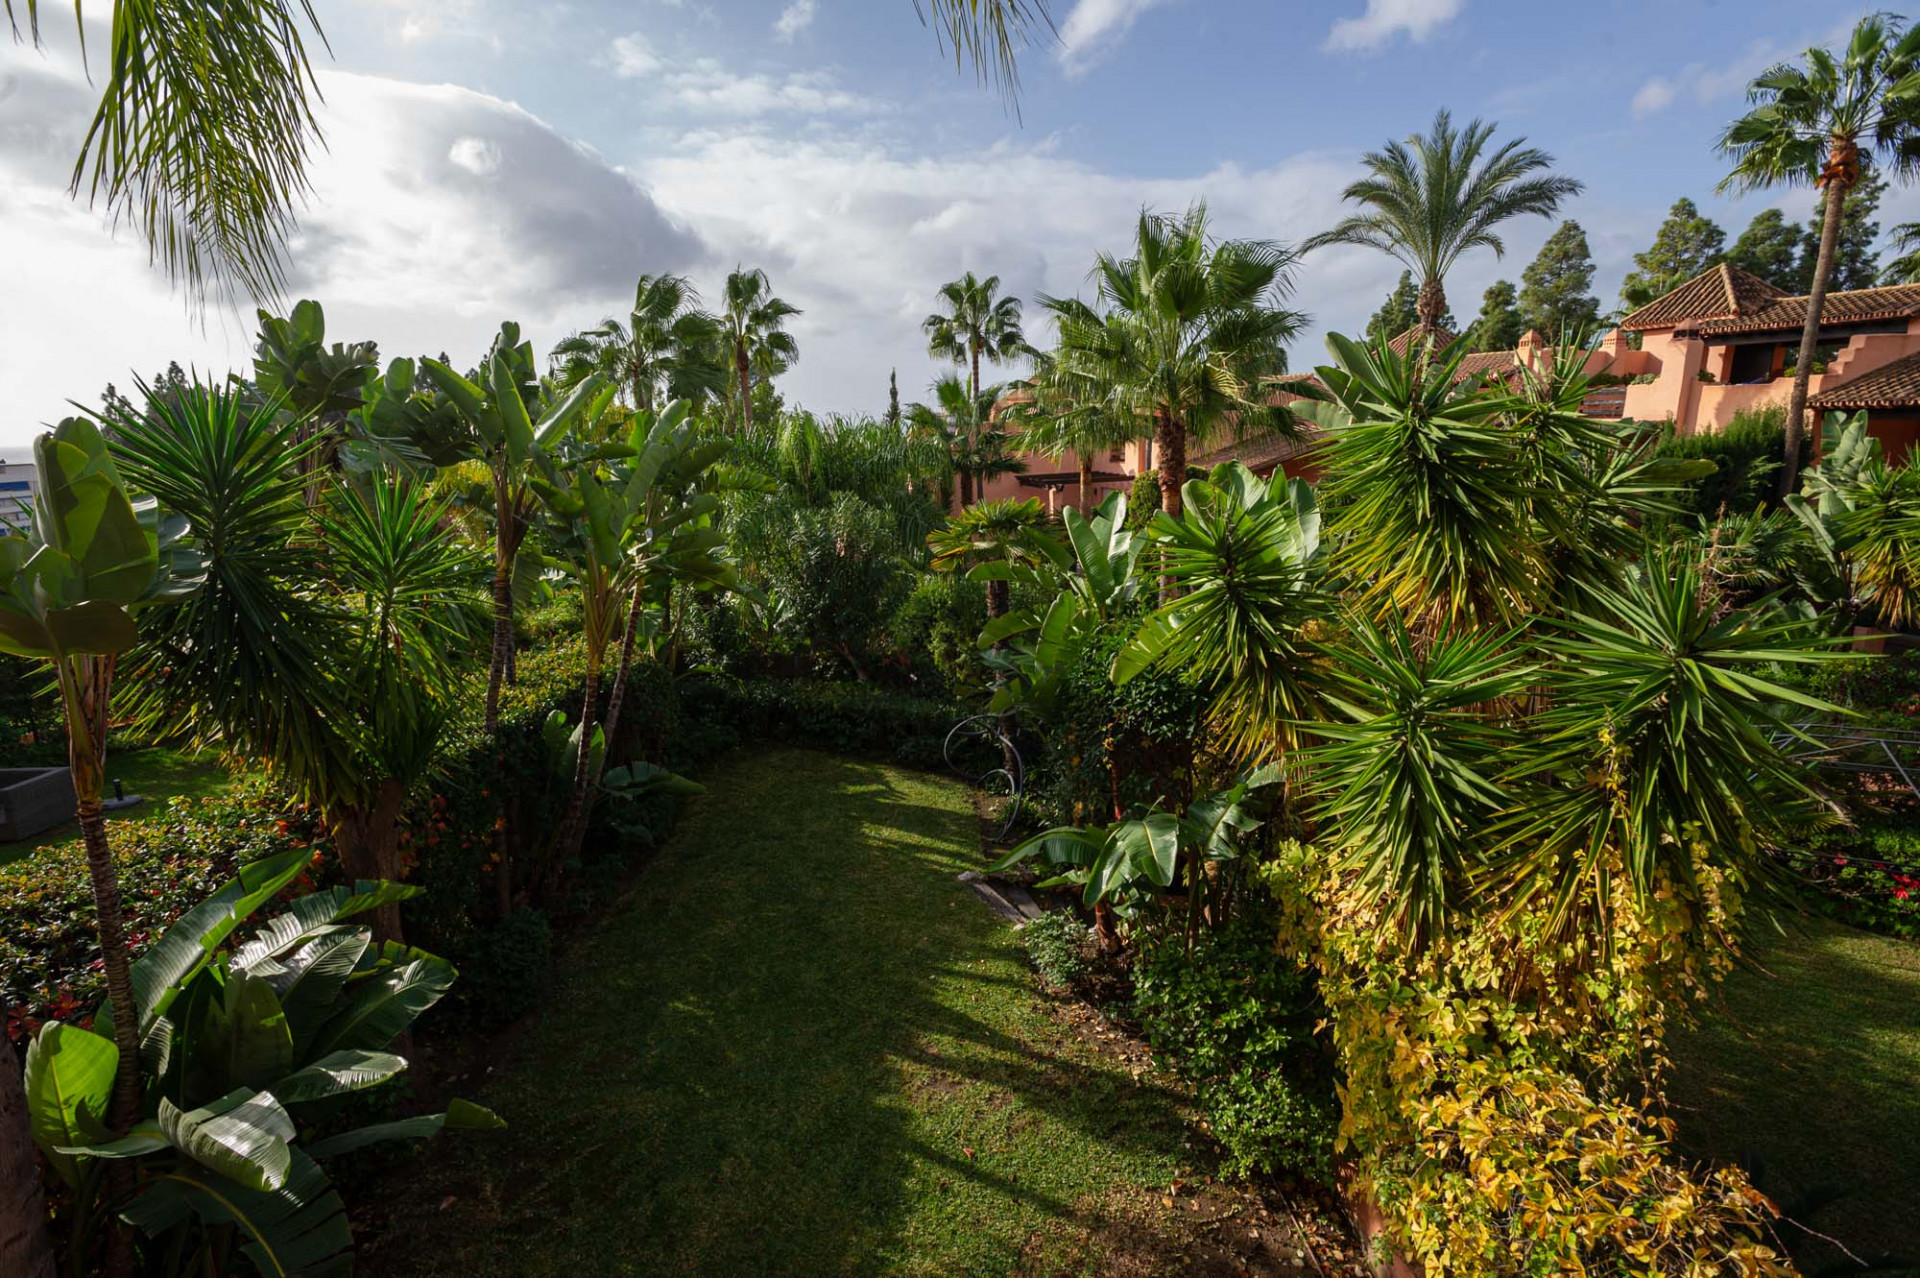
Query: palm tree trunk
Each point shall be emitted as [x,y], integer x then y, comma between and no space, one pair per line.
[746,388]
[966,488]
[973,386]
[497,662]
[24,1248]
[86,685]
[1086,482]
[1836,197]
[577,834]
[1431,304]
[1170,442]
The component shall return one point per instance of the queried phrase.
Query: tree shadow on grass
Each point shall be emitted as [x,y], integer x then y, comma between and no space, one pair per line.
[800,1046]
[1806,1072]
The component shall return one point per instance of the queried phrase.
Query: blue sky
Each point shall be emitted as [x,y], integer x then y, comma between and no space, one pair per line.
[490,160]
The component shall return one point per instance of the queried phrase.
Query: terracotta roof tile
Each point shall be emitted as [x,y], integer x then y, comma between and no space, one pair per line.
[1854,306]
[1403,342]
[1261,456]
[1719,292]
[1895,385]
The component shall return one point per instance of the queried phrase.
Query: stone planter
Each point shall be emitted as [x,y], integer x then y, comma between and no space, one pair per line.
[33,800]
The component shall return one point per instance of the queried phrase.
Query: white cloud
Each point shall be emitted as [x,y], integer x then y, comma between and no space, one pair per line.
[705,86]
[633,57]
[1385,19]
[1655,95]
[436,213]
[794,19]
[1094,28]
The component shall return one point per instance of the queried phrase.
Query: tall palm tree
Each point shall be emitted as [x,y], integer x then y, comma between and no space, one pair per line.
[1431,199]
[752,321]
[961,422]
[1820,123]
[974,324]
[666,345]
[1190,333]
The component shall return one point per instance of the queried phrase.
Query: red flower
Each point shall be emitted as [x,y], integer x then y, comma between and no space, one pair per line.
[1899,894]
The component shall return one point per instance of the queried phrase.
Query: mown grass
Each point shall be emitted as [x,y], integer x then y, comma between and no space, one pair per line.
[154,772]
[1810,1075]
[800,1046]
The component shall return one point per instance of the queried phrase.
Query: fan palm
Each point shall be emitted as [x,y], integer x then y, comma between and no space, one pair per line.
[960,421]
[1821,123]
[974,324]
[989,530]
[1431,199]
[1191,334]
[751,322]
[667,344]
[1057,415]
[986,33]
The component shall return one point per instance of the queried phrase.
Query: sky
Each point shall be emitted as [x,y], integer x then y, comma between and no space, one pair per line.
[487,160]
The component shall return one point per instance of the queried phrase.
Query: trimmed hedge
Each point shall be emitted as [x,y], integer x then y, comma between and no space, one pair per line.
[851,718]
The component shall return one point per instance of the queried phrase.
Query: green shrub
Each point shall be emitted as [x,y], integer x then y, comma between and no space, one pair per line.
[557,620]
[936,632]
[1747,454]
[852,718]
[1059,945]
[1235,1018]
[508,969]
[1138,743]
[1869,877]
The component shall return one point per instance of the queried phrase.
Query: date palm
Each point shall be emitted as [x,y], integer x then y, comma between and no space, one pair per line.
[1820,123]
[1430,199]
[667,344]
[752,322]
[1188,336]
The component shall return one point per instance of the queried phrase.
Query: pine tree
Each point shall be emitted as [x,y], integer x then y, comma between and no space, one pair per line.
[1687,243]
[893,398]
[1771,248]
[1556,289]
[1499,326]
[1855,264]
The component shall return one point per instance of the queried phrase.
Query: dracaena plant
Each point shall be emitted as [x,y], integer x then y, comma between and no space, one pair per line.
[241,1045]
[68,591]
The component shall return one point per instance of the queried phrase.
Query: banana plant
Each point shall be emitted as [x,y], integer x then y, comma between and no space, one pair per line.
[1862,517]
[243,1044]
[1092,577]
[68,592]
[625,516]
[503,415]
[1129,863]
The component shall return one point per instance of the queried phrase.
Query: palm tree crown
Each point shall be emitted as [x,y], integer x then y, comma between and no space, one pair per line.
[1819,124]
[975,324]
[757,342]
[668,345]
[1430,199]
[1188,338]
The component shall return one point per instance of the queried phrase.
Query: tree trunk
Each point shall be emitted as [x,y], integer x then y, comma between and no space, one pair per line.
[505,546]
[746,388]
[24,1248]
[1836,197]
[973,385]
[966,488]
[1431,304]
[577,835]
[999,596]
[368,842]
[582,769]
[1170,442]
[86,685]
[1086,483]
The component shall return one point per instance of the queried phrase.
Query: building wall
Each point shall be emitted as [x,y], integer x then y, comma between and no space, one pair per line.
[17,481]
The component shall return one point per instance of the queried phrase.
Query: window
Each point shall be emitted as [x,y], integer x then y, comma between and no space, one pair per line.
[1118,454]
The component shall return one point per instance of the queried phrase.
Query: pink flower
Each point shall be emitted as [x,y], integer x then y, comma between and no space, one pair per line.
[1899,894]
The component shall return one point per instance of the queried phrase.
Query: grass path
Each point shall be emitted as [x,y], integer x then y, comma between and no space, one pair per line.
[1811,1072]
[799,1047]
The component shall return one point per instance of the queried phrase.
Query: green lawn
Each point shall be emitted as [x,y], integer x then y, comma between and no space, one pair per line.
[157,773]
[799,1047]
[1813,1069]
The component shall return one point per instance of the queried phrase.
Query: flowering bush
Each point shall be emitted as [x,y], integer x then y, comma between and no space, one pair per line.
[50,965]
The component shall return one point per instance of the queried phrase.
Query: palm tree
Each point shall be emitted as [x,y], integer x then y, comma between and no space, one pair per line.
[1191,334]
[987,33]
[974,325]
[991,530]
[1058,415]
[1431,199]
[960,422]
[667,344]
[752,324]
[1821,123]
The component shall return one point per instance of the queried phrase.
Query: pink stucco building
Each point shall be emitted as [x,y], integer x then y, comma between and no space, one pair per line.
[1725,342]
